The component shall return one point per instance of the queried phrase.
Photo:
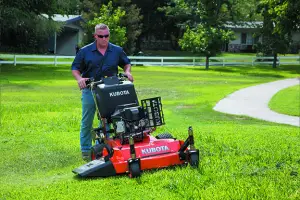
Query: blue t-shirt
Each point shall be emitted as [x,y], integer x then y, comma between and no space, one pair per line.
[89,60]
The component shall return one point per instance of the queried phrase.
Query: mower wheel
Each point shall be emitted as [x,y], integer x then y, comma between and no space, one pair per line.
[194,160]
[134,170]
[164,136]
[96,151]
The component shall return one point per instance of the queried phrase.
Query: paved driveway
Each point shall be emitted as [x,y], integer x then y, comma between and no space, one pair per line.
[253,101]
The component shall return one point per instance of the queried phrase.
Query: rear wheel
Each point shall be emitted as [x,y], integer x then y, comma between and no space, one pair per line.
[96,151]
[164,136]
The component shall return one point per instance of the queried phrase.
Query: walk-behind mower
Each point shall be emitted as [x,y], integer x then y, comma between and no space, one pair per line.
[127,146]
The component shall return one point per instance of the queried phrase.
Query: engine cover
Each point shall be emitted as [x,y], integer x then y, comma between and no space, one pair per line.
[110,96]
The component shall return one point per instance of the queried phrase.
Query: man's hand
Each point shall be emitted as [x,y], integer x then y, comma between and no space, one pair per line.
[127,70]
[130,77]
[81,82]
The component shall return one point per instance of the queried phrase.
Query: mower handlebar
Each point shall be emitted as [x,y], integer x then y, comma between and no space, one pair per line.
[90,82]
[122,75]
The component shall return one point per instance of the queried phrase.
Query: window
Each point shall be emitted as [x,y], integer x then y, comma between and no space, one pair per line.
[243,38]
[247,38]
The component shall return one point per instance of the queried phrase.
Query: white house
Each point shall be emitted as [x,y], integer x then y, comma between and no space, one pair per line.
[65,42]
[245,39]
[244,36]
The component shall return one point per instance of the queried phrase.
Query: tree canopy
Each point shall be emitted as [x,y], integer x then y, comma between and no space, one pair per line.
[280,19]
[129,17]
[111,17]
[205,21]
[23,27]
[182,22]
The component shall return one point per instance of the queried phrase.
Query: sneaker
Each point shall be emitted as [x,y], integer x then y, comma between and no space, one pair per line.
[86,156]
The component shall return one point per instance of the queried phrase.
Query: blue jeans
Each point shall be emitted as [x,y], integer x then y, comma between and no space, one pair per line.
[88,113]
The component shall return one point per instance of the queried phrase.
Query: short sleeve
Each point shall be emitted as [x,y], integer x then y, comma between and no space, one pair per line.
[78,61]
[123,59]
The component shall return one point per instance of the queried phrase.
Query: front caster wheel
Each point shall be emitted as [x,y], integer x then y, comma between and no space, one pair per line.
[194,158]
[134,168]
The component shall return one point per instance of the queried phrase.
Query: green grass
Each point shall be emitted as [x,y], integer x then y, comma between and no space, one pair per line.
[241,157]
[287,101]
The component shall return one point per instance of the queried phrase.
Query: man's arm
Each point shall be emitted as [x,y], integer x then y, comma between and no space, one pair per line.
[80,80]
[127,71]
[76,67]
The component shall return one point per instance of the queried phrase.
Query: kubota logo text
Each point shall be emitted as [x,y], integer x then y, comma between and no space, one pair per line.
[155,149]
[119,93]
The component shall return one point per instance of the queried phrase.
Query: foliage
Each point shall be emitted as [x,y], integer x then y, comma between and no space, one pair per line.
[111,17]
[207,19]
[285,14]
[207,40]
[280,19]
[23,29]
[245,11]
[215,13]
[157,26]
[89,9]
[131,20]
[287,101]
[241,158]
[183,12]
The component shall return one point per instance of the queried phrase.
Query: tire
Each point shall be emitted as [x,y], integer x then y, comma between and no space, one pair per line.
[164,136]
[96,151]
[194,160]
[134,170]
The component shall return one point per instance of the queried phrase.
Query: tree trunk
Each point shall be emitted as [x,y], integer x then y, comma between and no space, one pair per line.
[275,60]
[207,63]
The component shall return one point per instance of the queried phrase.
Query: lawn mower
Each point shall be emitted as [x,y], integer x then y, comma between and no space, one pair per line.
[127,146]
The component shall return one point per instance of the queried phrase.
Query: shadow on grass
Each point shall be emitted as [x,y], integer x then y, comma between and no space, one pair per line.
[117,176]
[143,173]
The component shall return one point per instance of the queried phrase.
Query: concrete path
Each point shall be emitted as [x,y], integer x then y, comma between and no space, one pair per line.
[253,101]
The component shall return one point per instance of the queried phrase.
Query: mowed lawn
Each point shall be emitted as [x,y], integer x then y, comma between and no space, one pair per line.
[285,100]
[241,157]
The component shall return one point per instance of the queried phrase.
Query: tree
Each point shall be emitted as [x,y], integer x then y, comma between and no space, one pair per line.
[206,40]
[23,29]
[155,22]
[285,14]
[131,20]
[111,17]
[280,19]
[89,10]
[205,21]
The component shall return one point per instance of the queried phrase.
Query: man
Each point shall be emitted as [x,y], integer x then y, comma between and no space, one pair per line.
[96,60]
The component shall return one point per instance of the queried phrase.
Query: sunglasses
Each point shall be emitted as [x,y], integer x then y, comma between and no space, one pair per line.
[103,36]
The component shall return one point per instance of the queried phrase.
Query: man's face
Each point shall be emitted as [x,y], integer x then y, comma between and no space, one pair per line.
[102,37]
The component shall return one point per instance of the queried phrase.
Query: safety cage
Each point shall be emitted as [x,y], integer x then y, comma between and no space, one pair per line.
[153,111]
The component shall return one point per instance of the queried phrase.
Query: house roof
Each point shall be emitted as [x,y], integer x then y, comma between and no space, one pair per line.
[64,18]
[257,24]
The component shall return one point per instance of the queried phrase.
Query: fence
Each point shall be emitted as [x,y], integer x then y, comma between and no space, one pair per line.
[154,60]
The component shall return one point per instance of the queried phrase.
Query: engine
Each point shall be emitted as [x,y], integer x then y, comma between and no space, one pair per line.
[129,120]
[117,102]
